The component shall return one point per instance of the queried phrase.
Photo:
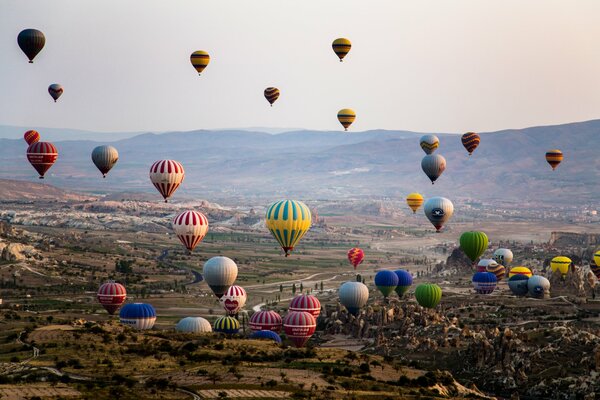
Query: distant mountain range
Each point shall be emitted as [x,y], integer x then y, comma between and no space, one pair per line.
[509,165]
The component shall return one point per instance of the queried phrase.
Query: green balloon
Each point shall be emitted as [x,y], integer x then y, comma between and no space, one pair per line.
[473,244]
[428,295]
[400,290]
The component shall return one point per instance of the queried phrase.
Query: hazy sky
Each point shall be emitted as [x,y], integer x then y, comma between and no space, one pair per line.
[436,66]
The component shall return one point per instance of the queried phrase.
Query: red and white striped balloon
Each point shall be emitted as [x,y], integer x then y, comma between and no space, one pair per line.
[299,326]
[166,176]
[306,302]
[265,320]
[190,227]
[111,295]
[42,155]
[234,299]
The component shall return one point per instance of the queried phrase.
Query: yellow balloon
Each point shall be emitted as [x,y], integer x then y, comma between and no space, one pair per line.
[288,221]
[341,47]
[346,116]
[597,258]
[560,263]
[200,60]
[519,271]
[414,201]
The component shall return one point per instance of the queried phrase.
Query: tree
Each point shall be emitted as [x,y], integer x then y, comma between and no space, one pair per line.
[321,286]
[301,287]
[293,288]
[214,376]
[280,288]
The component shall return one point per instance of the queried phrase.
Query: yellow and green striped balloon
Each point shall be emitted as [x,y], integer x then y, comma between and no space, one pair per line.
[346,116]
[288,221]
[228,325]
[200,60]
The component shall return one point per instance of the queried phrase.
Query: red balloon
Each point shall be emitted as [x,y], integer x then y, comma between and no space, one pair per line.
[299,326]
[356,256]
[42,155]
[111,295]
[306,302]
[31,137]
[265,321]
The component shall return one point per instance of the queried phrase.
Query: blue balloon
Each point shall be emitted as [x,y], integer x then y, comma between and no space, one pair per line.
[405,280]
[138,315]
[518,284]
[386,281]
[484,282]
[269,335]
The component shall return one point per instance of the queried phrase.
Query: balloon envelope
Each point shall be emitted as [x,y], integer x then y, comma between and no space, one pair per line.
[31,136]
[473,244]
[31,42]
[346,116]
[139,316]
[199,60]
[539,287]
[484,282]
[220,273]
[405,280]
[271,94]
[234,299]
[104,158]
[190,227]
[266,335]
[386,281]
[166,176]
[438,210]
[470,141]
[288,221]
[111,295]
[561,263]
[353,296]
[227,325]
[503,257]
[341,47]
[414,201]
[429,143]
[428,295]
[356,256]
[193,325]
[554,157]
[519,271]
[55,91]
[42,156]
[433,165]
[518,284]
[265,320]
[299,326]
[307,303]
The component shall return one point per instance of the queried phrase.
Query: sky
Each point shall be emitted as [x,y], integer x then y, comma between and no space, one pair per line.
[429,65]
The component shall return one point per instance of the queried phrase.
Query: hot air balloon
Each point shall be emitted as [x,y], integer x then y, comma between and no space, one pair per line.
[484,282]
[111,295]
[597,257]
[346,116]
[539,287]
[199,60]
[386,281]
[341,47]
[288,221]
[299,326]
[139,316]
[405,281]
[498,270]
[42,155]
[473,244]
[428,295]
[220,273]
[519,271]
[31,136]
[414,201]
[595,270]
[190,227]
[470,140]
[104,158]
[307,303]
[554,157]
[266,335]
[166,176]
[518,284]
[503,256]
[484,263]
[429,143]
[438,210]
[271,94]
[353,296]
[561,263]
[433,165]
[55,91]
[355,256]
[234,299]
[193,325]
[31,41]
[226,325]
[265,321]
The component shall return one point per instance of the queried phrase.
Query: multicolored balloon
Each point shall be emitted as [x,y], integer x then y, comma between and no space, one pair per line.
[56,90]
[520,270]
[428,295]
[470,141]
[42,156]
[199,60]
[193,325]
[353,296]
[346,116]
[31,136]
[498,270]
[356,256]
[220,273]
[414,201]
[288,221]
[561,263]
[438,211]
[429,143]
[405,281]
[433,165]
[111,295]
[139,316]
[299,326]
[484,263]
[386,281]
[503,257]
[307,303]
[266,320]
[190,227]
[31,42]
[234,299]
[473,244]
[341,47]
[166,176]
[271,94]
[554,157]
[104,158]
[484,282]
[226,325]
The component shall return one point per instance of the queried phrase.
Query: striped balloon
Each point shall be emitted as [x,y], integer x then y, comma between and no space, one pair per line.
[473,244]
[220,273]
[561,263]
[271,94]
[484,263]
[265,320]
[42,155]
[266,335]
[227,325]
[199,60]
[597,258]
[429,143]
[346,116]
[288,221]
[190,227]
[166,176]
[31,41]
[31,136]
[470,140]
[433,165]
[193,325]
[356,256]
[307,303]
[139,316]
[484,282]
[341,47]
[299,326]
[111,295]
[234,299]
[498,270]
[428,295]
[55,91]
[414,201]
[595,270]
[438,211]
[554,157]
[519,271]
[104,158]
